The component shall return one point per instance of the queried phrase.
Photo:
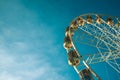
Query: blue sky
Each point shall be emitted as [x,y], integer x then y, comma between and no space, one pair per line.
[32,35]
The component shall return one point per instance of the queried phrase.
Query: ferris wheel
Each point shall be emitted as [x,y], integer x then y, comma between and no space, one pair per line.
[99,36]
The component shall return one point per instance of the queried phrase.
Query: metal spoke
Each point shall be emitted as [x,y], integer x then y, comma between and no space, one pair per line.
[98,32]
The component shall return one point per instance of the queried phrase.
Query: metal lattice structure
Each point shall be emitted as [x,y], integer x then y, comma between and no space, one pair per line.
[99,31]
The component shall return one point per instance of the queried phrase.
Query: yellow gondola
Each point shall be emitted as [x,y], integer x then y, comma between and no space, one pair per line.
[98,20]
[74,25]
[69,32]
[73,58]
[89,19]
[109,21]
[80,21]
[85,74]
[67,42]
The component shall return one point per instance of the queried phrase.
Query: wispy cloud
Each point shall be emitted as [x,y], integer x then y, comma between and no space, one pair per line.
[27,67]
[28,50]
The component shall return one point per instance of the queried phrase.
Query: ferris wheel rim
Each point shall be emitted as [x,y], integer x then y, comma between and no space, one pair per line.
[86,15]
[72,42]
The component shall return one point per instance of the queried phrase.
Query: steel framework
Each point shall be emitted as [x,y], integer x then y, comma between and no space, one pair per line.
[99,31]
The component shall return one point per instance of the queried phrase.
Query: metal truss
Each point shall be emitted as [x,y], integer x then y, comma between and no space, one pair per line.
[102,57]
[102,33]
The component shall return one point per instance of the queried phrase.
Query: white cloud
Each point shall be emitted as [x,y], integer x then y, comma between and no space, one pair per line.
[19,66]
[18,63]
[27,50]
[27,67]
